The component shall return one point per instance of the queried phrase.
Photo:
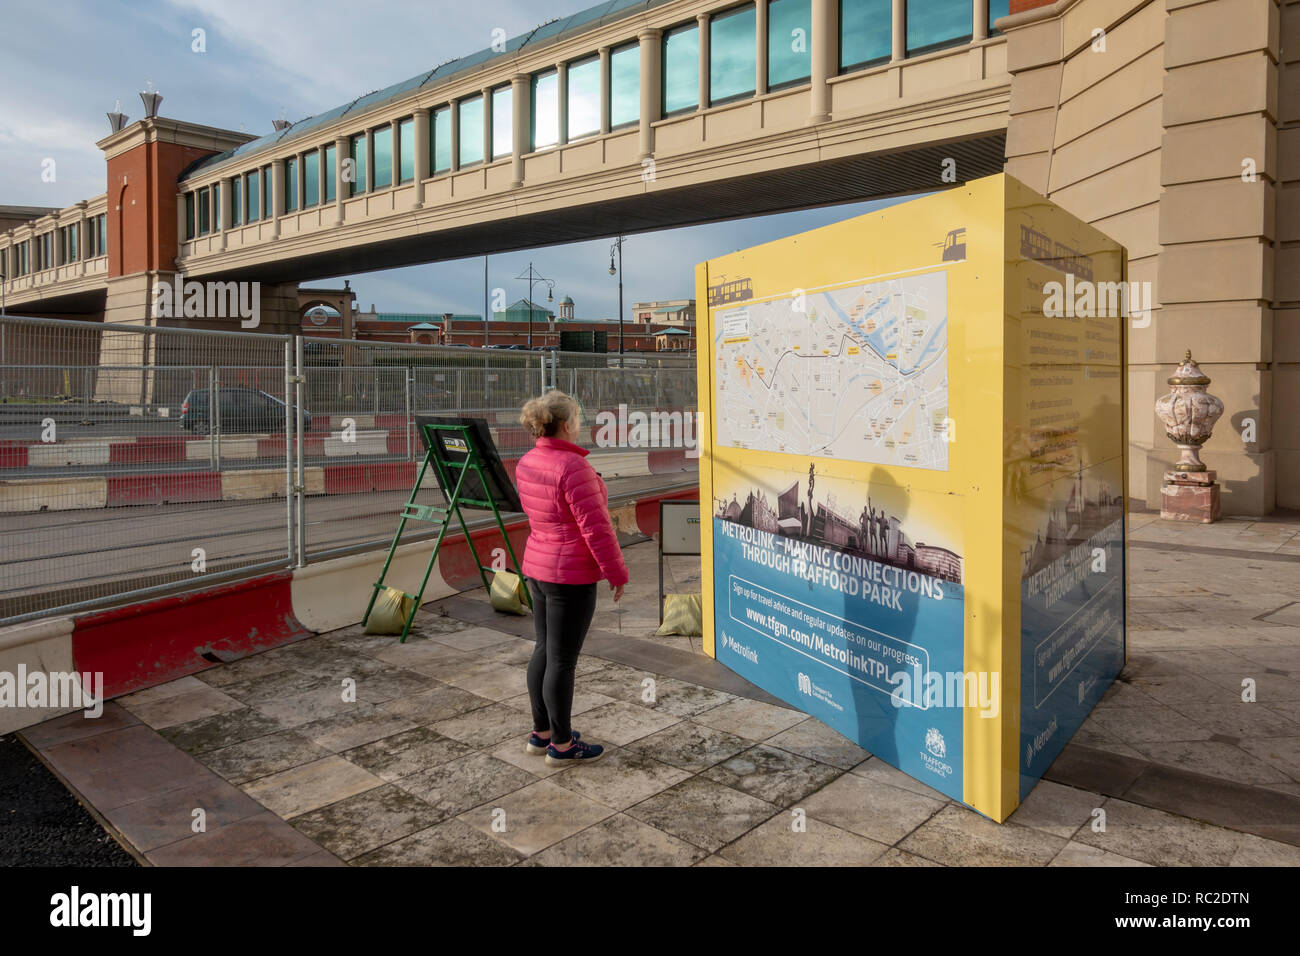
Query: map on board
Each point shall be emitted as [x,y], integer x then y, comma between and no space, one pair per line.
[856,373]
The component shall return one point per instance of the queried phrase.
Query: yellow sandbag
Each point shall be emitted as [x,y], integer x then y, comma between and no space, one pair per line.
[507,593]
[392,608]
[683,614]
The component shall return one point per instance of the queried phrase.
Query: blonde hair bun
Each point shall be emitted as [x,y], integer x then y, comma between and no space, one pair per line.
[542,417]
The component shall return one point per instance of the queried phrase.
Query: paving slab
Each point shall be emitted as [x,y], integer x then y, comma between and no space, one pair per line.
[619,840]
[535,817]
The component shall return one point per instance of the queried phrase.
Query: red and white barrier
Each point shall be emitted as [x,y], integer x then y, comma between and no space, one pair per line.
[159,640]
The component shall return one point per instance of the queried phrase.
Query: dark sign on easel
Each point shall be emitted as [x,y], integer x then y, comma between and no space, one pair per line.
[471,474]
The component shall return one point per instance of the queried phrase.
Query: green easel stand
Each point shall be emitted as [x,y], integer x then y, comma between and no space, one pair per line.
[451,474]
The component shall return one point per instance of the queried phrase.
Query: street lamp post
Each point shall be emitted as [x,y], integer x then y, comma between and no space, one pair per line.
[533,277]
[617,249]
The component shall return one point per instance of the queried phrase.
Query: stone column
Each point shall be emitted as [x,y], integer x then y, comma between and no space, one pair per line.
[224,212]
[900,31]
[520,102]
[276,189]
[370,161]
[487,126]
[340,156]
[421,153]
[703,21]
[82,245]
[760,47]
[651,88]
[822,47]
[454,106]
[562,98]
[605,87]
[980,25]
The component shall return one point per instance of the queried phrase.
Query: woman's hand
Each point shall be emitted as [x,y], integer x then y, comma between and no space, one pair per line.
[618,591]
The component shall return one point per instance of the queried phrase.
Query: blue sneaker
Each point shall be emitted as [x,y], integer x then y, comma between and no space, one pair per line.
[579,751]
[538,745]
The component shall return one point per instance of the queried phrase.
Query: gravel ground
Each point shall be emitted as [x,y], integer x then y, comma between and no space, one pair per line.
[41,822]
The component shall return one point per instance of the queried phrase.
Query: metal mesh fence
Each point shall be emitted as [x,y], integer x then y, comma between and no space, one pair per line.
[137,460]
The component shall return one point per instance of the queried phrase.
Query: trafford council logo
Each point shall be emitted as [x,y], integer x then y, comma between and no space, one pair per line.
[934,742]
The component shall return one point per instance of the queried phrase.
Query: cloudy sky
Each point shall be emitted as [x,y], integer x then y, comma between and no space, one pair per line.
[266,59]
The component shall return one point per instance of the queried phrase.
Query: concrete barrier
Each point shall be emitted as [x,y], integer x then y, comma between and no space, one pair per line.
[24,495]
[243,447]
[39,647]
[140,645]
[334,593]
[620,464]
[61,454]
[266,483]
[363,443]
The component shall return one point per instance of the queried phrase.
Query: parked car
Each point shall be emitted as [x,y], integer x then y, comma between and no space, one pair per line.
[241,410]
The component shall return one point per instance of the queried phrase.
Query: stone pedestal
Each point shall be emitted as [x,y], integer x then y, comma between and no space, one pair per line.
[1190,496]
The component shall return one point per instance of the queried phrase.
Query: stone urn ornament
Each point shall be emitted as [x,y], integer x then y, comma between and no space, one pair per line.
[1189,413]
[1189,492]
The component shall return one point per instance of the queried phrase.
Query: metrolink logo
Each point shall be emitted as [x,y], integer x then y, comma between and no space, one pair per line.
[209,300]
[1086,299]
[64,690]
[657,429]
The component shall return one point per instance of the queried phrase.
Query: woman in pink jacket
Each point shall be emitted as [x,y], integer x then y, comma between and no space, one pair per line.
[571,546]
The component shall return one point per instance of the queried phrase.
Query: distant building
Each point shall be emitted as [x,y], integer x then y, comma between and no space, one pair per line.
[667,340]
[668,326]
[665,312]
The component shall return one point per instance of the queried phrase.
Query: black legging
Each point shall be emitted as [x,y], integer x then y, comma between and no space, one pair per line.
[561,615]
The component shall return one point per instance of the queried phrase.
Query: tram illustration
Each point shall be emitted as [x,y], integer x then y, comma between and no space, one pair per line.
[953,245]
[737,290]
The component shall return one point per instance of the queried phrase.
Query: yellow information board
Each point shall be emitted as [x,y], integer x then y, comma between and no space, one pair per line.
[911,479]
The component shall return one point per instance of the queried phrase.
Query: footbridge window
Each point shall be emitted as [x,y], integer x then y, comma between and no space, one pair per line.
[584,98]
[383,140]
[328,176]
[503,121]
[253,196]
[546,109]
[471,130]
[205,212]
[789,27]
[291,184]
[440,139]
[866,33]
[681,69]
[934,24]
[406,150]
[357,152]
[310,179]
[997,10]
[732,62]
[625,85]
[237,201]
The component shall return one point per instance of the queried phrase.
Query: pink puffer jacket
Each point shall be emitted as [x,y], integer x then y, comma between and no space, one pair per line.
[570,537]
